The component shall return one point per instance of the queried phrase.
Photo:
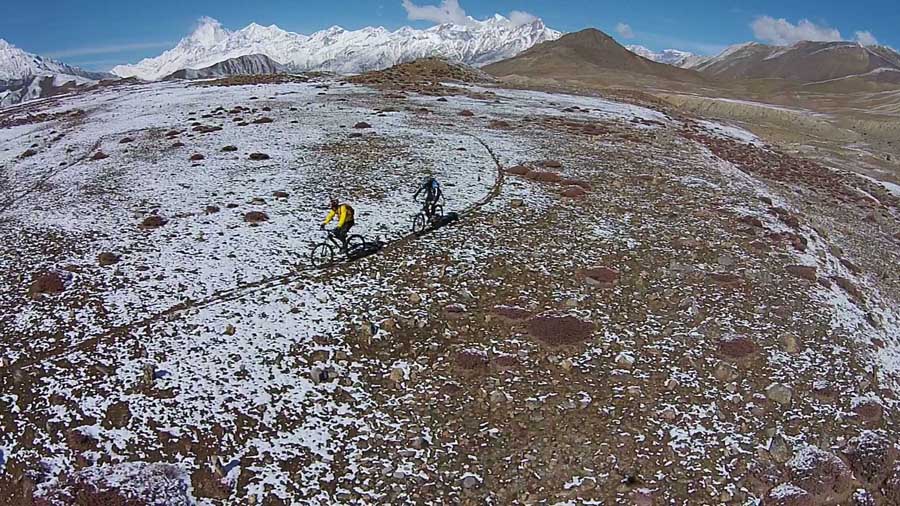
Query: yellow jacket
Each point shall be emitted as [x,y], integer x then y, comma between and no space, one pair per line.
[344,214]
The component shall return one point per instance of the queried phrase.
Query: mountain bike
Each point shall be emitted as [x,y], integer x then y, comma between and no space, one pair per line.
[323,253]
[427,217]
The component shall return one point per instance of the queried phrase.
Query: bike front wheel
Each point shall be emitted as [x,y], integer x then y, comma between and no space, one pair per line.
[322,255]
[419,223]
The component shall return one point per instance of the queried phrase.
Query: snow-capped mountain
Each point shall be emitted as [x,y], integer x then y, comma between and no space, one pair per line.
[25,76]
[345,51]
[672,57]
[16,64]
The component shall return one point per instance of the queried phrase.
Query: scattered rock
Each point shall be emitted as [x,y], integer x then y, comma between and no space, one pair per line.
[551,164]
[99,155]
[518,170]
[499,397]
[178,145]
[604,277]
[780,393]
[28,153]
[543,176]
[466,113]
[849,287]
[196,157]
[355,135]
[126,140]
[516,203]
[229,149]
[230,330]
[788,495]
[362,125]
[209,485]
[511,314]
[259,156]
[212,209]
[470,481]
[499,124]
[262,120]
[625,360]
[320,375]
[574,192]
[806,272]
[560,330]
[126,484]
[280,194]
[77,439]
[118,414]
[726,279]
[790,343]
[107,258]
[455,310]
[725,372]
[256,217]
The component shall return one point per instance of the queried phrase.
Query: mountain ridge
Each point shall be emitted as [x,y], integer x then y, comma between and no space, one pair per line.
[339,50]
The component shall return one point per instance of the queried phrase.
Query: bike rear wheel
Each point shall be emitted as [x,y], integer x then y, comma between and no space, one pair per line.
[322,255]
[419,223]
[355,243]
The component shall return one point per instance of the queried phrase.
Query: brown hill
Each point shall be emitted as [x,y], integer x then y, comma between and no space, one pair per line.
[586,55]
[806,62]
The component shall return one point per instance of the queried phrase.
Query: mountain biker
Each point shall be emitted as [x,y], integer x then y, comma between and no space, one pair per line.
[344,215]
[433,193]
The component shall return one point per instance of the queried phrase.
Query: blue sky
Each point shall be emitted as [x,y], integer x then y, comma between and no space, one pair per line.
[98,34]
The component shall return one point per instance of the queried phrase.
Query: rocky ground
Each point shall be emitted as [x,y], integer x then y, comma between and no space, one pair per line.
[633,308]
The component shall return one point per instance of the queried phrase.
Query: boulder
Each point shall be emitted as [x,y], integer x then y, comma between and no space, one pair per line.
[738,348]
[256,217]
[471,359]
[806,272]
[280,194]
[212,209]
[825,476]
[153,221]
[871,456]
[229,149]
[99,155]
[518,170]
[107,258]
[556,330]
[259,156]
[48,283]
[262,120]
[543,176]
[196,157]
[362,125]
[126,140]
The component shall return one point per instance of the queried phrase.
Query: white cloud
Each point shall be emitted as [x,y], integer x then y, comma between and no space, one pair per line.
[782,32]
[110,49]
[522,18]
[624,29]
[866,38]
[449,11]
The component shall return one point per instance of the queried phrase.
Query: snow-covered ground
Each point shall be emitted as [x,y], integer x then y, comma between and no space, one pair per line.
[212,343]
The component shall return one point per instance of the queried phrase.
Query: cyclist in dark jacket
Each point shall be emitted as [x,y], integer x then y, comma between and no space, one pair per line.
[433,194]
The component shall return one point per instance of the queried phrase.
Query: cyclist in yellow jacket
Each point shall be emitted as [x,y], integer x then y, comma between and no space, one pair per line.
[344,214]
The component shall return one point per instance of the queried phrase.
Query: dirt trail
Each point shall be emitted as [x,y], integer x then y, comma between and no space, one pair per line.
[243,290]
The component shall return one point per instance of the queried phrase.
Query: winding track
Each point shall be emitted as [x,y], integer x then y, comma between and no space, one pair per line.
[238,292]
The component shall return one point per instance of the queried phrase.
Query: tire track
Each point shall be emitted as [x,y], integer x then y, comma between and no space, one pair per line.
[243,290]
